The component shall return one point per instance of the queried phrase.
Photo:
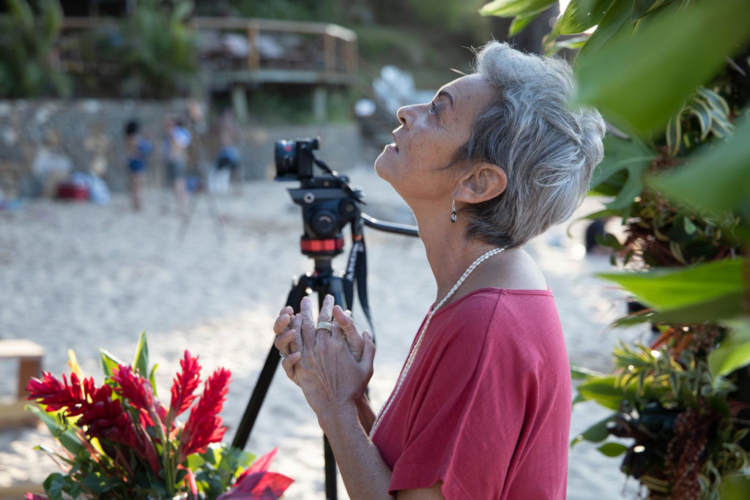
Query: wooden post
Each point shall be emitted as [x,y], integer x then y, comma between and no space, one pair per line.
[29,356]
[320,103]
[253,55]
[329,52]
[239,103]
[351,57]
[27,368]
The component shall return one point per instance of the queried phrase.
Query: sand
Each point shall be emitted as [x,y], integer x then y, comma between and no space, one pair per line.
[83,277]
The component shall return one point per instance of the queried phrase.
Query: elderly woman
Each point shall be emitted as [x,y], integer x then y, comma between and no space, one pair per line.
[481,409]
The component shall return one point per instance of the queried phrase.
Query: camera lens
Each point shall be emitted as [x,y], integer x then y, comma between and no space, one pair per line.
[286,158]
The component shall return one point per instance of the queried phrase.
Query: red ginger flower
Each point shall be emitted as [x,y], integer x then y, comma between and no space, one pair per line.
[133,387]
[204,425]
[105,418]
[57,395]
[185,384]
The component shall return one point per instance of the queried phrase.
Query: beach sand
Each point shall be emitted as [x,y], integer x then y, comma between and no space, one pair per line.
[84,277]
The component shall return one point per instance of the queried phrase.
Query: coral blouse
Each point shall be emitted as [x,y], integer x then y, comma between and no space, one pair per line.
[486,405]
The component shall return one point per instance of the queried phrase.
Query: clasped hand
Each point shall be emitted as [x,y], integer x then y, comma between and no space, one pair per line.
[331,367]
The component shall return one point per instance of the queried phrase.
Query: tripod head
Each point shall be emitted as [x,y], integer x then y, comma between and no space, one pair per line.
[329,202]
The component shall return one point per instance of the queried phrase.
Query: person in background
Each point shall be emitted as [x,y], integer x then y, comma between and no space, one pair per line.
[176,141]
[229,155]
[138,149]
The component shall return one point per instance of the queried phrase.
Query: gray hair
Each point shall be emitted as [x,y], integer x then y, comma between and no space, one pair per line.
[547,147]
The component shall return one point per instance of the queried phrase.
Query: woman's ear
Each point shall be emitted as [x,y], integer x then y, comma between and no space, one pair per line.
[485,182]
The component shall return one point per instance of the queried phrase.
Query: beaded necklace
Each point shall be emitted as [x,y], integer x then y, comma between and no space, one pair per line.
[413,353]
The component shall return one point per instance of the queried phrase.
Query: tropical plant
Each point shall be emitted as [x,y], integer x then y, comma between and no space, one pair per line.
[677,171]
[159,56]
[27,58]
[119,442]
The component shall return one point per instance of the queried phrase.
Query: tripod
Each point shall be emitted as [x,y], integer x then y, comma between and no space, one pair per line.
[323,281]
[329,203]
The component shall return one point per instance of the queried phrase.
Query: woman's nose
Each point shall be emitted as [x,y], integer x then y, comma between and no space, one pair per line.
[405,115]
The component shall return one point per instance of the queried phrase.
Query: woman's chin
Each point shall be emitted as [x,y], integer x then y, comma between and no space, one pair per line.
[381,166]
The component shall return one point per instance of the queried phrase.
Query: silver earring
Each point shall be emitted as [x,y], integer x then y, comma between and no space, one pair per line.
[453,208]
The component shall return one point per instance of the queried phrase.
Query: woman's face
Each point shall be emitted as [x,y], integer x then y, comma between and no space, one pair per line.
[429,136]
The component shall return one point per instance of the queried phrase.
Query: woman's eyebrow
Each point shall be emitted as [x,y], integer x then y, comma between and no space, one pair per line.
[443,93]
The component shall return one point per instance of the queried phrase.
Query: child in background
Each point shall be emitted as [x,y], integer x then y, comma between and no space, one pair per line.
[138,149]
[176,141]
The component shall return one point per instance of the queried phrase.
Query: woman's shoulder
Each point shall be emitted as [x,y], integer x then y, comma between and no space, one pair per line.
[524,321]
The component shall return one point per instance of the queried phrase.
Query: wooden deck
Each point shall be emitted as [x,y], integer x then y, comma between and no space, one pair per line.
[306,53]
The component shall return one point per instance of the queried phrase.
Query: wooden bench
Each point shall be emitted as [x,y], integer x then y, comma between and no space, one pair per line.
[29,356]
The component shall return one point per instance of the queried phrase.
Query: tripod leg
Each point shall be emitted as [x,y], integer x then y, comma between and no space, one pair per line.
[298,291]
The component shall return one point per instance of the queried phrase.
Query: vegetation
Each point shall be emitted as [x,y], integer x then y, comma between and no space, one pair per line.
[27,59]
[679,178]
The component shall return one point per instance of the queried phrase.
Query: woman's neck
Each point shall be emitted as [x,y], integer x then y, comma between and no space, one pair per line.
[448,252]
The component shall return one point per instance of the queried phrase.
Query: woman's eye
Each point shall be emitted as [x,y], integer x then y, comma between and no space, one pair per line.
[434,109]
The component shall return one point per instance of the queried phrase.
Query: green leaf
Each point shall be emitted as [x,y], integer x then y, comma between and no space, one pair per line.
[612,449]
[735,487]
[596,433]
[581,373]
[152,378]
[609,240]
[604,390]
[98,483]
[674,134]
[631,156]
[638,82]
[721,308]
[67,438]
[512,8]
[689,226]
[109,362]
[580,16]
[734,352]
[668,289]
[615,20]
[717,180]
[140,362]
[730,356]
[520,22]
[54,485]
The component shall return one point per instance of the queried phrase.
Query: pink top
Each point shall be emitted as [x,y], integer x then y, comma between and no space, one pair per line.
[486,404]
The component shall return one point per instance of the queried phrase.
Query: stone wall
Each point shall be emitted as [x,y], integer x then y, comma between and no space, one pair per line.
[27,126]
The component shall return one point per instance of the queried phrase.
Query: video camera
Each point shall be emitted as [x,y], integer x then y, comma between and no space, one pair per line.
[328,201]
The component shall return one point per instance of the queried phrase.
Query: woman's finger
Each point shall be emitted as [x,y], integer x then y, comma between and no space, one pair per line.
[284,342]
[368,355]
[281,323]
[288,365]
[345,320]
[286,310]
[353,338]
[305,307]
[325,317]
[304,324]
[325,310]
[336,332]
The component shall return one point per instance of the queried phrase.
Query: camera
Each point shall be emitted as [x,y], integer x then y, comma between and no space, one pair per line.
[328,201]
[294,159]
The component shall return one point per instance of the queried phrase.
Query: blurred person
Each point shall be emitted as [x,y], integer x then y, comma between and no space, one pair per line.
[176,141]
[482,406]
[228,157]
[98,144]
[138,150]
[51,164]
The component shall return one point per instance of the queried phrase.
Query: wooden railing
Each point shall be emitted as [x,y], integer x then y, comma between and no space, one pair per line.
[316,53]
